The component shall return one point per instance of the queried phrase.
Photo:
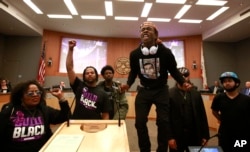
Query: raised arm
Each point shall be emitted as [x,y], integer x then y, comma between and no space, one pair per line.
[70,63]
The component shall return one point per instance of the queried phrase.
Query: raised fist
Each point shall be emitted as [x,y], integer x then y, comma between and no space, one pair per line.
[72,44]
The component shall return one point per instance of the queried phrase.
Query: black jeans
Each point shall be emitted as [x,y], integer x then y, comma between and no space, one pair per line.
[143,102]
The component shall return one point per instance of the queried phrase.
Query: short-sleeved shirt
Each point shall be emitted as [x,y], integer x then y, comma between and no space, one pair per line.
[235,114]
[91,102]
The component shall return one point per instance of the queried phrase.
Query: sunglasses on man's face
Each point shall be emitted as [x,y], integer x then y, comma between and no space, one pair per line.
[32,93]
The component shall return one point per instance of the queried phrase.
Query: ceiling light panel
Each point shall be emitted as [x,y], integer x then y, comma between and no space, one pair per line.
[109,8]
[171,1]
[126,18]
[211,2]
[189,21]
[33,6]
[199,12]
[146,9]
[71,7]
[159,19]
[92,17]
[59,16]
[182,11]
[217,13]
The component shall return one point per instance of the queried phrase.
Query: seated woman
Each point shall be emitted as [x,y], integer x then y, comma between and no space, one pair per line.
[25,120]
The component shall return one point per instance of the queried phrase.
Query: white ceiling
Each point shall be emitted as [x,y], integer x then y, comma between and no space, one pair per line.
[231,26]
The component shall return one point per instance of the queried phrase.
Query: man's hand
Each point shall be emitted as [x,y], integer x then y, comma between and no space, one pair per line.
[72,44]
[124,87]
[187,86]
[172,144]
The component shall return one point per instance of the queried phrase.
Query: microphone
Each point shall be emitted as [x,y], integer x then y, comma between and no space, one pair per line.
[203,145]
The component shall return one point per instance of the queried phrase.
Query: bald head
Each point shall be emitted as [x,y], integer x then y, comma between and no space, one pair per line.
[247,84]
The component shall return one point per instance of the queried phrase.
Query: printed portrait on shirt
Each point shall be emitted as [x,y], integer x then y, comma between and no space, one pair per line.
[150,68]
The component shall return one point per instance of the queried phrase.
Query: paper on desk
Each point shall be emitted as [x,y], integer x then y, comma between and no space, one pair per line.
[65,143]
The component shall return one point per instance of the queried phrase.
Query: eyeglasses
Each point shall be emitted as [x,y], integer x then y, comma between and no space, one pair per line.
[32,93]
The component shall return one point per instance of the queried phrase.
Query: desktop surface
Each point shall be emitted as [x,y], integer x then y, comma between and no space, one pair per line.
[89,135]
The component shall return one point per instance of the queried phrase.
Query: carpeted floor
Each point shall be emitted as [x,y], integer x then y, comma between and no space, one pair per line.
[152,129]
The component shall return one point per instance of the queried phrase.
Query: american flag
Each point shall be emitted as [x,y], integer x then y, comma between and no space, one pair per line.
[203,70]
[42,64]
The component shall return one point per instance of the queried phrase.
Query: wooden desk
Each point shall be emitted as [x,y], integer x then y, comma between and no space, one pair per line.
[4,98]
[111,139]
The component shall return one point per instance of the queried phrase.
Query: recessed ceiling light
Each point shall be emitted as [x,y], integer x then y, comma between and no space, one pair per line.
[126,18]
[217,13]
[92,17]
[183,10]
[171,1]
[211,2]
[109,8]
[159,19]
[59,16]
[71,7]
[33,6]
[189,21]
[146,9]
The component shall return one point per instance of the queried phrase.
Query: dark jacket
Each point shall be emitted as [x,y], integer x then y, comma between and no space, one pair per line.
[176,114]
[219,89]
[118,100]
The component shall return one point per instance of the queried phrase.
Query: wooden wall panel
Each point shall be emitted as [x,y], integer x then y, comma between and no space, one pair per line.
[118,47]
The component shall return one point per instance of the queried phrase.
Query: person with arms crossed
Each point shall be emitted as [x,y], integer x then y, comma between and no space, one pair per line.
[91,101]
[116,97]
[232,109]
[153,90]
[25,120]
[188,119]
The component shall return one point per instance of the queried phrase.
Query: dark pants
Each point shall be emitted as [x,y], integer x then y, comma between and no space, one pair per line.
[143,102]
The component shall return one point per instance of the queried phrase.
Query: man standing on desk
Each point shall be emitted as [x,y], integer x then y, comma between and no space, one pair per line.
[153,88]
[91,101]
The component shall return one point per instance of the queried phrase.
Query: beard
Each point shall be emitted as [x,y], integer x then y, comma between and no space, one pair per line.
[90,80]
[231,89]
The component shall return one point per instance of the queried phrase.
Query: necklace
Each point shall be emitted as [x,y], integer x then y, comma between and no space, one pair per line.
[184,94]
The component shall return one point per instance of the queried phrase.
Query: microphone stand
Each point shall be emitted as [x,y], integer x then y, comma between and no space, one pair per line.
[69,112]
[203,145]
[119,115]
[117,90]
